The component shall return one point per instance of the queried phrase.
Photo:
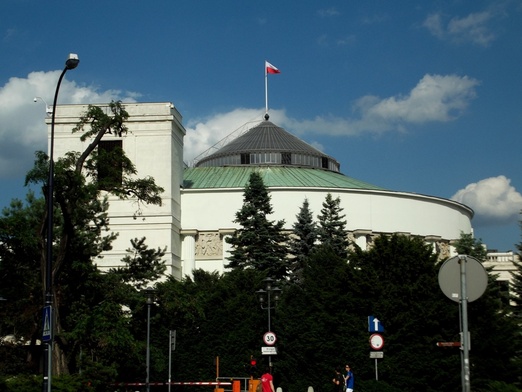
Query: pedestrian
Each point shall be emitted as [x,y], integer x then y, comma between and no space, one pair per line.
[348,379]
[267,381]
[338,381]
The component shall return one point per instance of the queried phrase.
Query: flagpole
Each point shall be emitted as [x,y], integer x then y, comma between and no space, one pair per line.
[266,89]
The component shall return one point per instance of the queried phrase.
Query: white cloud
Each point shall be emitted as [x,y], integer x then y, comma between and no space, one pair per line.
[23,130]
[471,28]
[22,125]
[494,200]
[435,98]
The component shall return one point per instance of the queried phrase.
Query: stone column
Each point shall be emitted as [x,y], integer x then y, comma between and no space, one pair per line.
[188,251]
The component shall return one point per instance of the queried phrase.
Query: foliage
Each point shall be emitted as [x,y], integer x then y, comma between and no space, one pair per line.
[80,234]
[332,226]
[468,245]
[20,280]
[64,383]
[516,283]
[396,280]
[142,265]
[259,243]
[302,241]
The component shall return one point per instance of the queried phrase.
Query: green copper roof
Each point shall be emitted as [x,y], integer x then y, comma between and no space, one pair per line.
[273,176]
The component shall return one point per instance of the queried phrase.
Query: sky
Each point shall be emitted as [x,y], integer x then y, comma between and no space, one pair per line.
[413,96]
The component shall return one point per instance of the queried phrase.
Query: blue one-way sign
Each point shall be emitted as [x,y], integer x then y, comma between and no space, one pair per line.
[374,325]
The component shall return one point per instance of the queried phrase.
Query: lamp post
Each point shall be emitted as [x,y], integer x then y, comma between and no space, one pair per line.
[48,109]
[150,299]
[266,295]
[48,329]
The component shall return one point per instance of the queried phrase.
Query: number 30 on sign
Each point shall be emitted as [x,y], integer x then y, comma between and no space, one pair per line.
[269,338]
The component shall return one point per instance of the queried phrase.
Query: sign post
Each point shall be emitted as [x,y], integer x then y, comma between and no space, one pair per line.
[463,279]
[172,347]
[376,341]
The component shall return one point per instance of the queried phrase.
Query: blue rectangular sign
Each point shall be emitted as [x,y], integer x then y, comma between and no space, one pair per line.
[374,324]
[47,333]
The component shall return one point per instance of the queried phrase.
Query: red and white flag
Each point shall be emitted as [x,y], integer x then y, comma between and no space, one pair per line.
[271,69]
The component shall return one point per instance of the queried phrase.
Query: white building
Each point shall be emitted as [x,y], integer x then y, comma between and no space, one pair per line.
[199,203]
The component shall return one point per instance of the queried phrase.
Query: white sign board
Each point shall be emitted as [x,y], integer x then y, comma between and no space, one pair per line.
[268,350]
[376,354]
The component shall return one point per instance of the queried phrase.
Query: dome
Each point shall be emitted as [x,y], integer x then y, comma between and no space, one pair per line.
[268,144]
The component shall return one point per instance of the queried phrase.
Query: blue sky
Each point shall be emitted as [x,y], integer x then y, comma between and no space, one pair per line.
[414,96]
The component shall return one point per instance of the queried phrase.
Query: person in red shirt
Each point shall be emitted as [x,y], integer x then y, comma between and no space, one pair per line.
[267,381]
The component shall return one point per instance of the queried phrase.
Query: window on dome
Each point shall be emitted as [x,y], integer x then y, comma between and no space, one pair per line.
[286,158]
[245,159]
[324,162]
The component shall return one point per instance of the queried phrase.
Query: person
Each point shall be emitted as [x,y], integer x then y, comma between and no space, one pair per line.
[267,381]
[348,379]
[338,381]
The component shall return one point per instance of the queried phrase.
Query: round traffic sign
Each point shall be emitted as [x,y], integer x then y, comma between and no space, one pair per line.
[476,278]
[376,341]
[269,338]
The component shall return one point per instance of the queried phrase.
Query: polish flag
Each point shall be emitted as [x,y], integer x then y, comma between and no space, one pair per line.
[271,69]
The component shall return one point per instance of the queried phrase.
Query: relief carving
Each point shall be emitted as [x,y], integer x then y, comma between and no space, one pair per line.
[209,245]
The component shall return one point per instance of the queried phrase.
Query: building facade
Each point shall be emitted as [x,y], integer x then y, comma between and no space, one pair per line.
[200,202]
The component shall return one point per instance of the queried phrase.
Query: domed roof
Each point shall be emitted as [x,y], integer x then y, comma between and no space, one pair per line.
[268,144]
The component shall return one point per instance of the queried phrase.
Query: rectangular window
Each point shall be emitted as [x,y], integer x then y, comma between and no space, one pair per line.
[324,163]
[110,164]
[245,159]
[286,158]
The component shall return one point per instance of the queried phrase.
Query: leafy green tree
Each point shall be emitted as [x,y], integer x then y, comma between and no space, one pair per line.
[332,226]
[80,220]
[302,241]
[396,281]
[316,331]
[214,316]
[259,243]
[20,280]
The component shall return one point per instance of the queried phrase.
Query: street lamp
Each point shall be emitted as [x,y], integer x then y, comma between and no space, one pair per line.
[47,338]
[48,109]
[149,291]
[266,295]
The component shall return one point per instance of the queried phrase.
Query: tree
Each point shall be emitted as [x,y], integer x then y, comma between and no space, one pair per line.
[516,283]
[259,243]
[20,281]
[396,281]
[81,217]
[302,241]
[468,245]
[332,226]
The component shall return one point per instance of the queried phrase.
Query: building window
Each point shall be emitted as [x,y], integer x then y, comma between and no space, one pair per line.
[245,159]
[286,158]
[110,169]
[324,162]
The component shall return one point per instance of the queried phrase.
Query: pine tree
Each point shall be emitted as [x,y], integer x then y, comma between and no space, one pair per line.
[467,245]
[302,241]
[332,226]
[259,243]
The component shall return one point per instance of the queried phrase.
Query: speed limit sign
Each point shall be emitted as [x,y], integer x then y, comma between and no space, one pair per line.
[269,338]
